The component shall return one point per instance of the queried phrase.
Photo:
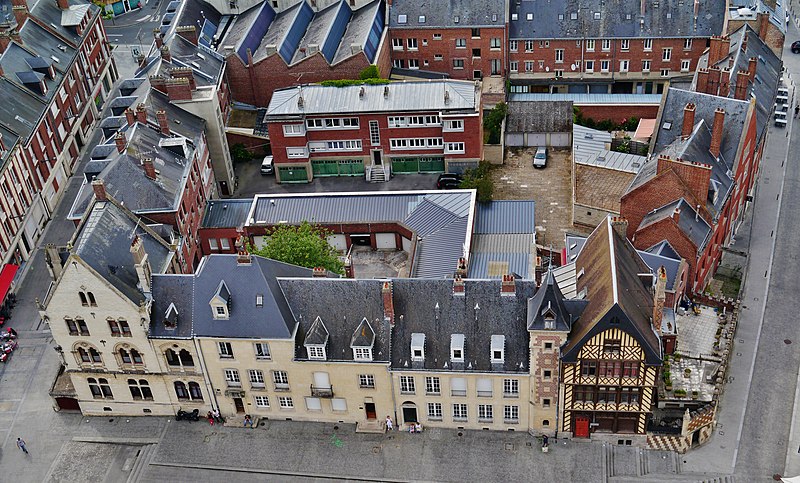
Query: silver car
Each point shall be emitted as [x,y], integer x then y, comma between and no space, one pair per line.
[540,158]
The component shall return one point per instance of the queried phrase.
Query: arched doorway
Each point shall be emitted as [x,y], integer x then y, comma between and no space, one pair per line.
[409,412]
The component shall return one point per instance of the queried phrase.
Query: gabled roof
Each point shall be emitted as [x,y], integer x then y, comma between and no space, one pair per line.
[549,302]
[539,116]
[364,335]
[222,295]
[609,269]
[689,222]
[420,14]
[317,334]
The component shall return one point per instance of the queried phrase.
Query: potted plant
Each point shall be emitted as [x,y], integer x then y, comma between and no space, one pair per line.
[695,394]
[680,393]
[687,371]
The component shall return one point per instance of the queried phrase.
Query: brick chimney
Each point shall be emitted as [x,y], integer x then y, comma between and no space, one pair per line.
[713,81]
[714,50]
[688,120]
[20,14]
[508,286]
[149,168]
[659,298]
[63,4]
[141,264]
[141,60]
[458,285]
[461,268]
[163,122]
[165,53]
[99,189]
[725,83]
[702,80]
[130,117]
[243,257]
[388,302]
[716,132]
[742,82]
[725,47]
[319,272]
[120,141]
[676,215]
[158,38]
[179,89]
[188,32]
[620,225]
[5,39]
[752,65]
[763,25]
[158,83]
[184,73]
[141,113]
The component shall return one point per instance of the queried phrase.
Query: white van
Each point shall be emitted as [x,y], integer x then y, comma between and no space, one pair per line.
[266,166]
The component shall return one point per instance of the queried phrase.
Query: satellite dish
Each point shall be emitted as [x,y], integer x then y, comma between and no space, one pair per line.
[547,69]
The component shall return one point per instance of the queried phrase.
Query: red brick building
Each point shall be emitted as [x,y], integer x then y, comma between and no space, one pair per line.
[465,39]
[375,130]
[56,70]
[708,143]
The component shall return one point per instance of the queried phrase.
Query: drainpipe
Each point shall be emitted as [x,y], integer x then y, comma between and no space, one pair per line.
[206,378]
[391,381]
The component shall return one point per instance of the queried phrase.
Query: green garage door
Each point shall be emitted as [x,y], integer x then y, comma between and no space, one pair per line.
[405,165]
[431,165]
[293,175]
[351,167]
[325,167]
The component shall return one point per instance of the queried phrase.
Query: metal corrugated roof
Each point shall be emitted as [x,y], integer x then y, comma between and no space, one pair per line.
[430,95]
[504,243]
[226,213]
[438,253]
[481,265]
[613,160]
[506,217]
[587,99]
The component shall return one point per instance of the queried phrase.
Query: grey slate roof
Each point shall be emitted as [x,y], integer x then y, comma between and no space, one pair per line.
[616,19]
[316,31]
[403,97]
[227,213]
[103,242]
[549,301]
[206,65]
[539,116]
[421,14]
[695,227]
[317,334]
[415,305]
[168,290]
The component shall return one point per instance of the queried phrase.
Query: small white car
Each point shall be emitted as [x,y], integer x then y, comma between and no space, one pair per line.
[267,166]
[540,158]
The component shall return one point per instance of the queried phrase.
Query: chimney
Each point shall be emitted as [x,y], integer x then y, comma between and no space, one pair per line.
[702,81]
[2,144]
[99,188]
[179,89]
[659,298]
[713,81]
[184,73]
[243,256]
[751,68]
[149,168]
[20,14]
[676,215]
[349,269]
[165,54]
[688,120]
[158,83]
[742,82]
[141,113]
[141,264]
[120,141]
[141,60]
[716,132]
[319,272]
[163,123]
[458,285]
[725,83]
[620,225]
[388,302]
[725,47]
[5,39]
[188,32]
[461,268]
[508,286]
[63,4]
[714,50]
[763,25]
[53,260]
[158,38]
[130,117]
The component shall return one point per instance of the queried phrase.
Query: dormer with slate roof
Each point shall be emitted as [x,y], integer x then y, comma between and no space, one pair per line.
[363,341]
[548,310]
[417,349]
[457,342]
[171,317]
[221,302]
[316,340]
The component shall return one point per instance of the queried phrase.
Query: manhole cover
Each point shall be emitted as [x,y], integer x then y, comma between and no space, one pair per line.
[376,449]
[787,341]
[509,446]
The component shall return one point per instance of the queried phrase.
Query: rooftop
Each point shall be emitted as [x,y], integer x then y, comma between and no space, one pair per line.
[590,99]
[690,223]
[504,240]
[226,213]
[539,116]
[420,14]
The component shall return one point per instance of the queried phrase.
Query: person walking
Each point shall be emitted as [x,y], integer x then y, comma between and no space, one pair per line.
[389,423]
[796,110]
[217,416]
[21,444]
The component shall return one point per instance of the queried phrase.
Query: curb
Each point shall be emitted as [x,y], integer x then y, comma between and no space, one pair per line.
[238,469]
[107,440]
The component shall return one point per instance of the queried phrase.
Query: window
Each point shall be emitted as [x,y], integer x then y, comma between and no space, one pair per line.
[666,54]
[92,301]
[413,63]
[397,44]
[511,414]
[529,46]
[606,395]
[366,381]
[316,352]
[498,343]
[112,324]
[293,130]
[485,413]
[584,393]
[546,402]
[624,65]
[510,388]
[435,411]
[454,148]
[374,133]
[476,33]
[476,53]
[438,57]
[281,380]
[437,36]
[528,66]
[362,353]
[407,385]
[630,369]
[559,56]
[453,125]
[664,72]
[589,66]
[412,44]
[610,368]
[140,389]
[458,63]
[338,404]
[212,244]
[256,378]
[461,43]
[588,368]
[261,401]
[432,386]
[648,45]
[225,349]
[513,45]
[548,345]
[100,388]
[590,45]
[221,311]
[232,378]
[685,64]
[285,402]
[224,243]
[604,66]
[84,301]
[458,387]
[459,412]
[194,391]
[180,390]
[313,404]
[90,356]
[132,357]
[605,45]
[645,66]
[687,44]
[514,66]
[76,327]
[494,43]
[484,387]
[625,44]
[398,63]
[547,374]
[545,423]
[629,395]
[262,350]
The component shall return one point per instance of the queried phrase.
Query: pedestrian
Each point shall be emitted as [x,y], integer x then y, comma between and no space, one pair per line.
[796,109]
[217,416]
[389,423]
[545,441]
[248,421]
[21,444]
[210,417]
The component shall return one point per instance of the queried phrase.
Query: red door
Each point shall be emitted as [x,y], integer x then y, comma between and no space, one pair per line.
[581,427]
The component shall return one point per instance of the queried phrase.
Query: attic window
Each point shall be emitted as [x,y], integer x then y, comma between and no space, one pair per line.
[363,341]
[561,16]
[498,348]
[667,125]
[402,19]
[549,316]
[457,348]
[597,15]
[417,347]
[422,19]
[259,300]
[528,16]
[456,19]
[494,17]
[221,302]
[316,352]
[573,16]
[362,353]
[514,16]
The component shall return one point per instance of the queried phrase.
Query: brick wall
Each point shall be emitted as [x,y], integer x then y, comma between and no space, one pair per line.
[695,175]
[655,193]
[618,113]
[666,229]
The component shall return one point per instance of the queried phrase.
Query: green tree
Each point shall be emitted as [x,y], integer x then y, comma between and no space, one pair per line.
[370,72]
[304,245]
[493,122]
[240,154]
[479,179]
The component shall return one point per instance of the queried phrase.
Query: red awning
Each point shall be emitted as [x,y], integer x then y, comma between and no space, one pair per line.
[6,277]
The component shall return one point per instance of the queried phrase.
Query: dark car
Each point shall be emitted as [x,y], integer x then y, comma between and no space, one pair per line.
[173,6]
[448,181]
[796,47]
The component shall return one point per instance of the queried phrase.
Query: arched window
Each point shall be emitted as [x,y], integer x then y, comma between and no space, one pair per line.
[92,301]
[137,358]
[140,389]
[179,359]
[180,390]
[195,392]
[186,358]
[95,355]
[125,356]
[172,358]
[84,355]
[105,389]
[82,296]
[93,386]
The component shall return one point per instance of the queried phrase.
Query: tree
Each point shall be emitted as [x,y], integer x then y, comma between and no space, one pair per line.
[304,245]
[493,122]
[479,179]
[370,72]
[240,154]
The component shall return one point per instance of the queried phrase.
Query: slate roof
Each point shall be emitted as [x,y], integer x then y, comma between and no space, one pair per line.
[407,96]
[103,241]
[548,300]
[610,281]
[358,31]
[572,19]
[316,31]
[421,14]
[168,290]
[206,65]
[415,306]
[364,335]
[539,116]
[601,187]
[227,213]
[693,226]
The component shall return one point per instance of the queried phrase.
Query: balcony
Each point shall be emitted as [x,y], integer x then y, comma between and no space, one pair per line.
[317,391]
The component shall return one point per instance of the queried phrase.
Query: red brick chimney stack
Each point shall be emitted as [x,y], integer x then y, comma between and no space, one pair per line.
[189,32]
[742,82]
[751,68]
[388,302]
[676,215]
[99,189]
[130,117]
[319,272]
[163,122]
[141,113]
[165,53]
[725,83]
[702,80]
[713,81]
[508,286]
[688,120]
[714,49]
[458,285]
[158,38]
[63,4]
[716,132]
[149,168]
[120,141]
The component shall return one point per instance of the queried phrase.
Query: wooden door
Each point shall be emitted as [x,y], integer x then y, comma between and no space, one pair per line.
[370,410]
[239,405]
[581,427]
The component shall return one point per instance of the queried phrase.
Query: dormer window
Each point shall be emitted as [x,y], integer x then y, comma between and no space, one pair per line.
[221,302]
[171,317]
[316,340]
[457,348]
[362,353]
[549,316]
[417,347]
[316,352]
[363,341]
[498,348]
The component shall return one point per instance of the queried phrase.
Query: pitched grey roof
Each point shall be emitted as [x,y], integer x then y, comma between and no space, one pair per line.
[103,242]
[228,213]
[590,99]
[206,65]
[505,216]
[572,19]
[169,290]
[481,313]
[539,116]
[694,226]
[317,334]
[549,301]
[364,335]
[433,95]
[418,14]
[504,240]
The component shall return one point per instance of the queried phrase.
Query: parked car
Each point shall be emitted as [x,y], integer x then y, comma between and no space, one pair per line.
[448,181]
[796,47]
[267,165]
[540,158]
[173,6]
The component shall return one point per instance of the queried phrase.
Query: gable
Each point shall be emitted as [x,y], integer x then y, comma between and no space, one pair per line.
[613,325]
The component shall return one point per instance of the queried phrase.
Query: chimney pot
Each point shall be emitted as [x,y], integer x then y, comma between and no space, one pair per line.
[688,120]
[165,53]
[508,286]
[243,257]
[141,113]
[349,269]
[130,117]
[702,81]
[620,225]
[676,215]
[163,123]
[99,188]
[319,272]
[458,285]
[461,268]
[752,65]
[158,38]
[742,82]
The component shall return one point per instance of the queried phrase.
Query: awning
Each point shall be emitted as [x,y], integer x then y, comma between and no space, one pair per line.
[6,277]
